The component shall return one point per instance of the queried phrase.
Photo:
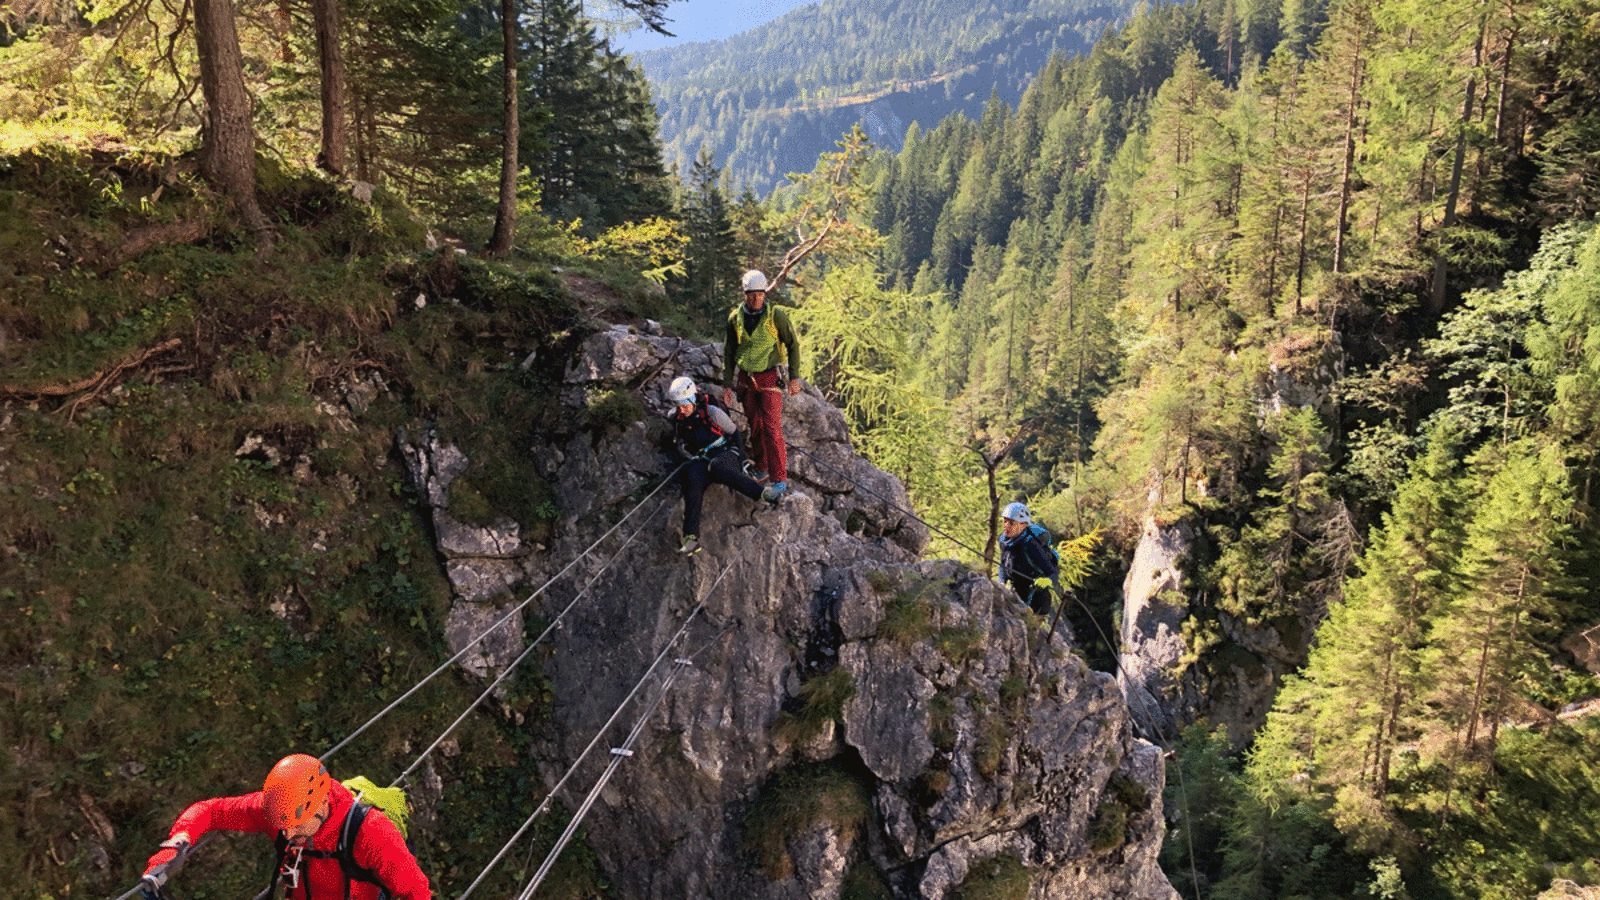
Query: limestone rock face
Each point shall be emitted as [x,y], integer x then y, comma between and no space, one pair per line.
[1153,610]
[1234,685]
[842,712]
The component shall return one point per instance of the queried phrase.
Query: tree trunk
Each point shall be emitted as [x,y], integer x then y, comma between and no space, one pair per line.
[1305,227]
[330,58]
[989,466]
[505,219]
[1348,164]
[227,147]
[1441,268]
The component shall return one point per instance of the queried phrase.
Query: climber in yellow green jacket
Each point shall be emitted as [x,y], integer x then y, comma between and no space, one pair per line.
[761,357]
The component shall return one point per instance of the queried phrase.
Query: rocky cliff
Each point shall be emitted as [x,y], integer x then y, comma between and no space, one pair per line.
[851,720]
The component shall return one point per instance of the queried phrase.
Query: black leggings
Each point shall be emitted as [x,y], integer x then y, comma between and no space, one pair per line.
[722,469]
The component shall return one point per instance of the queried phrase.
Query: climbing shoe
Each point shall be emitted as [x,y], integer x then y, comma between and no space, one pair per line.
[691,545]
[773,493]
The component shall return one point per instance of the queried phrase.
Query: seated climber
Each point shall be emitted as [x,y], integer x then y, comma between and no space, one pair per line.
[706,437]
[1027,562]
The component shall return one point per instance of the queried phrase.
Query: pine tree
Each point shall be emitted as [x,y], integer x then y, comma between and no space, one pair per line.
[1488,642]
[1364,689]
[711,270]
[1287,563]
[593,151]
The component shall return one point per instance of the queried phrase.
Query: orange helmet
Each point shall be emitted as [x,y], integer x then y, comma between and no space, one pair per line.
[295,789]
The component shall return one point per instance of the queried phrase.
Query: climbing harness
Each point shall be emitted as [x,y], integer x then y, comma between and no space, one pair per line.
[292,857]
[155,882]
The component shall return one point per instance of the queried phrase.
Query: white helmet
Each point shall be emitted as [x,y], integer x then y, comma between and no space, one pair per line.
[755,281]
[1017,512]
[682,390]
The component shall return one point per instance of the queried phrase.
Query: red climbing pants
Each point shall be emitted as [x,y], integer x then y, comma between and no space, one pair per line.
[762,401]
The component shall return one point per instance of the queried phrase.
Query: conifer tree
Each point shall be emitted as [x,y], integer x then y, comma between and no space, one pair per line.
[1363,691]
[594,154]
[1564,346]
[1264,106]
[1489,640]
[711,277]
[1279,567]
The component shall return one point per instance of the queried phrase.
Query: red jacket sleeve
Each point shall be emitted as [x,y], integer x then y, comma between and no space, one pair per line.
[244,813]
[380,849]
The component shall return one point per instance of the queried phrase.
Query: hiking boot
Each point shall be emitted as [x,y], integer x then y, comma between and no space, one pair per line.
[758,476]
[773,493]
[690,546]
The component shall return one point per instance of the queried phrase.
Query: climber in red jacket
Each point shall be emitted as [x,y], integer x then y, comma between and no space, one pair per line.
[305,811]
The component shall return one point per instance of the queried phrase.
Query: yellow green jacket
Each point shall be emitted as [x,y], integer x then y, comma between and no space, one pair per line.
[769,342]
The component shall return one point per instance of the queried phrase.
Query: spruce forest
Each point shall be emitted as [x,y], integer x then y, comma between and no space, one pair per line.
[1317,282]
[768,102]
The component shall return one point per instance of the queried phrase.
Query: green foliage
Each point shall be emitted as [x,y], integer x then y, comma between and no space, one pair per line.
[799,799]
[961,643]
[1296,551]
[996,878]
[652,248]
[862,882]
[613,411]
[760,101]
[199,397]
[589,123]
[1538,812]
[821,700]
[907,617]
[1202,786]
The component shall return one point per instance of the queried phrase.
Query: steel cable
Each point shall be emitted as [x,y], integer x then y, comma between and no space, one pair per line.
[503,619]
[599,735]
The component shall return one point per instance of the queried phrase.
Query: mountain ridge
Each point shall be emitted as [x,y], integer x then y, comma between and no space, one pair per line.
[765,103]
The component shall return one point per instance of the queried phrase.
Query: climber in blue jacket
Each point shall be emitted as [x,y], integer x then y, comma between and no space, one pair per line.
[1026,561]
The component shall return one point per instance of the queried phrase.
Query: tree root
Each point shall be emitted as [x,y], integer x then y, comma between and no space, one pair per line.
[142,239]
[94,385]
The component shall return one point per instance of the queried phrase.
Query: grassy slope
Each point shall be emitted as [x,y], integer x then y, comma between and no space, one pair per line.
[201,569]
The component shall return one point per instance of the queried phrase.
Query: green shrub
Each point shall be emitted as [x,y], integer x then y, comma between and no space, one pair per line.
[795,800]
[996,878]
[822,700]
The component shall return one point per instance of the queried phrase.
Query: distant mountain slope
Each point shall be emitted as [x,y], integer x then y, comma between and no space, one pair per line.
[767,102]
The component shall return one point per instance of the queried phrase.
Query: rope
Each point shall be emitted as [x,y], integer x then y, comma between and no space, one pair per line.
[617,756]
[486,632]
[503,619]
[616,714]
[529,650]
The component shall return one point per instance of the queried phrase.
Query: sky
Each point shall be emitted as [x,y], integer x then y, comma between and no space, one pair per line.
[706,20]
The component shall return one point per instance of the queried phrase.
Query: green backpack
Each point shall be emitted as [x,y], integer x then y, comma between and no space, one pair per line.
[391,801]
